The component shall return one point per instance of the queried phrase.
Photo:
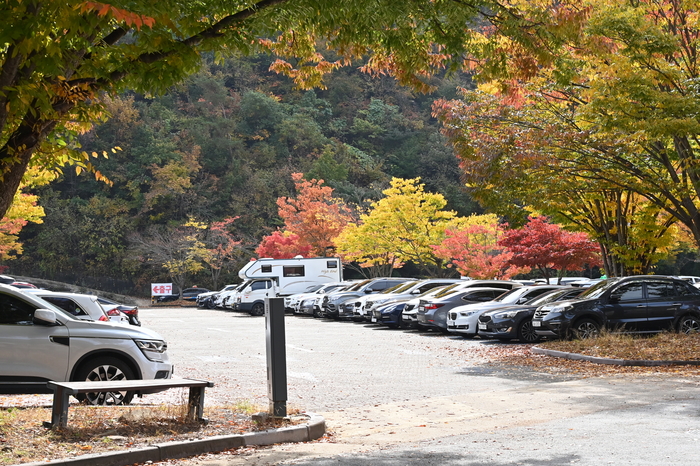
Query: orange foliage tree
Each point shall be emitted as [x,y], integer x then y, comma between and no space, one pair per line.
[314,215]
[282,245]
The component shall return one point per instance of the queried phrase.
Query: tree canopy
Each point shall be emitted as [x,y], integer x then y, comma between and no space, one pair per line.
[58,60]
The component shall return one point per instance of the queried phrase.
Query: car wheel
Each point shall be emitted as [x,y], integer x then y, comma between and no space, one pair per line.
[586,328]
[526,332]
[103,370]
[211,304]
[688,325]
[258,309]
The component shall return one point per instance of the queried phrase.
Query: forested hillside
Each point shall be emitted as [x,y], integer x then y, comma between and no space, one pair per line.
[224,144]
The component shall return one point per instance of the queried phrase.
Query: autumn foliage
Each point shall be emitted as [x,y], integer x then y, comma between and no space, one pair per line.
[313,216]
[475,252]
[281,245]
[545,246]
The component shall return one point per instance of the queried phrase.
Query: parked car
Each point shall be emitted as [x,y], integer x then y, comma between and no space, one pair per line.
[432,313]
[188,294]
[409,314]
[403,292]
[41,342]
[208,298]
[389,314]
[310,303]
[110,307]
[81,306]
[359,308]
[515,322]
[332,302]
[464,320]
[24,285]
[639,304]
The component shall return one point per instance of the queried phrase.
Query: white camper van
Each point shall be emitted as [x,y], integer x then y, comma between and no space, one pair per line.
[283,277]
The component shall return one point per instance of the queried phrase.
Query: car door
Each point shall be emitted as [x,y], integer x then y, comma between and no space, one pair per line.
[30,352]
[626,307]
[664,301]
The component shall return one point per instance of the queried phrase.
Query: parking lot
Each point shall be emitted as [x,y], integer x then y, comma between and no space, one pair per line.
[385,391]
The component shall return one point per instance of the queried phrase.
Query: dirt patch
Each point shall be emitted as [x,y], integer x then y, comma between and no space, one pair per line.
[99,429]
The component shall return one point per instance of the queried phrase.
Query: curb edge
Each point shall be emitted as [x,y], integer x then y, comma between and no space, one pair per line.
[617,362]
[313,429]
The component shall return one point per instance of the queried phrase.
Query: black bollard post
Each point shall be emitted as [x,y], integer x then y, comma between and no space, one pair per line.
[276,356]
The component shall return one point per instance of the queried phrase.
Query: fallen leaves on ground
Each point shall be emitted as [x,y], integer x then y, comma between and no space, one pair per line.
[99,429]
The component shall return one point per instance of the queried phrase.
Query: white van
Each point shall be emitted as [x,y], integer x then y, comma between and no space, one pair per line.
[41,342]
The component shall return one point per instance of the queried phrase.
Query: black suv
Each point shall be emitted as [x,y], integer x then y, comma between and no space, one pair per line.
[641,304]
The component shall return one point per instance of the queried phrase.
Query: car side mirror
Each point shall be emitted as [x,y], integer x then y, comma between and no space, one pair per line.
[44,317]
[523,300]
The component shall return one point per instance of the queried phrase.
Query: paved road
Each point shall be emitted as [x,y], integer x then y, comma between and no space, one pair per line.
[397,397]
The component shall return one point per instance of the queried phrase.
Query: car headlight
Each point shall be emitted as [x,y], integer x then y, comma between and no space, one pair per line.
[467,313]
[558,308]
[506,314]
[152,349]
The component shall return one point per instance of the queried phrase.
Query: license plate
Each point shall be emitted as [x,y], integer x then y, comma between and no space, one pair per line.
[374,319]
[536,323]
[482,326]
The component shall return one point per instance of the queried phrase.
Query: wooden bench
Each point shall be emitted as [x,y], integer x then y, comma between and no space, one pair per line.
[63,390]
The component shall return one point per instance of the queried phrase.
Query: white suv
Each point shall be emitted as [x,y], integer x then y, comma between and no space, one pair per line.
[41,342]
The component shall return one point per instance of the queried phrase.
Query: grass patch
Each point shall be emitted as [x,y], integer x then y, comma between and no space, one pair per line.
[99,429]
[666,346]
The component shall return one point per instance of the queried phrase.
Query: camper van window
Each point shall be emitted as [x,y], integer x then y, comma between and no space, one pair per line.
[332,264]
[295,271]
[266,268]
[260,285]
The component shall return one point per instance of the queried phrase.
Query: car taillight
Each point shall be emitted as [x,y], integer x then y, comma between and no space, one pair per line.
[103,318]
[131,312]
[432,306]
[113,312]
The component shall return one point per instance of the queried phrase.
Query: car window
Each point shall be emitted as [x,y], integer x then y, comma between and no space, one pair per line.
[628,292]
[429,286]
[660,290]
[15,311]
[686,290]
[66,304]
[480,296]
[535,292]
[260,285]
[503,297]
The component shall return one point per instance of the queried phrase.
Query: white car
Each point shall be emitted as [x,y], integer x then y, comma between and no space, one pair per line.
[82,306]
[464,320]
[295,301]
[41,342]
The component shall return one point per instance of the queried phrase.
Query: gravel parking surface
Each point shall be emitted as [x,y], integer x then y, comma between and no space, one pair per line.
[331,365]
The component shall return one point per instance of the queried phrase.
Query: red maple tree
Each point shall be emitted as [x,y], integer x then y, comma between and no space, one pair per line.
[475,253]
[281,245]
[545,246]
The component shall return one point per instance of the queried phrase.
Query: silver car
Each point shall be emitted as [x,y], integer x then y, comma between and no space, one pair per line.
[41,342]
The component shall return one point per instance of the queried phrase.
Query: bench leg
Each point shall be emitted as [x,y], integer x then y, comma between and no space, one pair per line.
[195,406]
[59,410]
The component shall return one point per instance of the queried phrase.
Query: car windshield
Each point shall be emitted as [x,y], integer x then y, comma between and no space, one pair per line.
[401,287]
[549,297]
[106,301]
[504,296]
[432,292]
[598,289]
[358,285]
[313,288]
